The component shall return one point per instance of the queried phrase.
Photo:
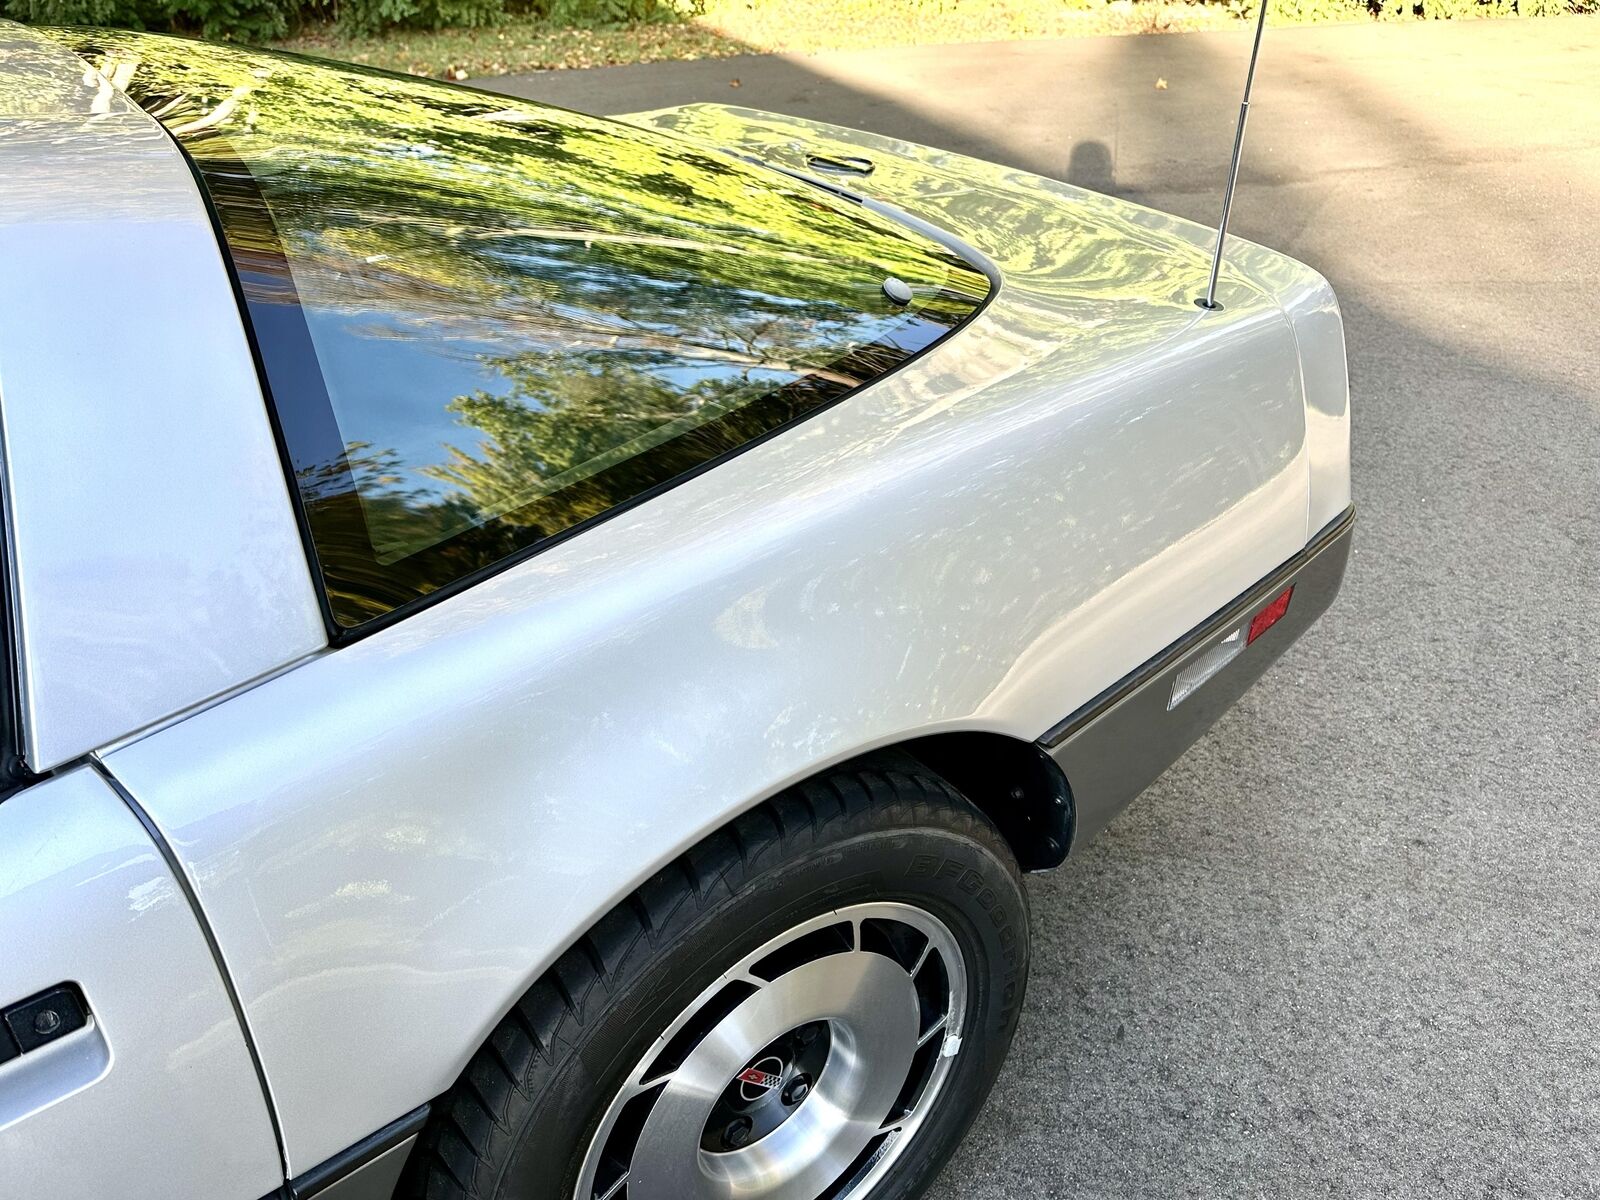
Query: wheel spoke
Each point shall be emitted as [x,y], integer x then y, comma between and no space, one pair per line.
[864,998]
[744,976]
[650,1084]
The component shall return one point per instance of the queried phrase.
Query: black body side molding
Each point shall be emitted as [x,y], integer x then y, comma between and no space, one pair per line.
[1116,745]
[368,1170]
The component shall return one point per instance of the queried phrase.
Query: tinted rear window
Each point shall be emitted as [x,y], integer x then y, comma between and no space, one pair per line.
[483,324]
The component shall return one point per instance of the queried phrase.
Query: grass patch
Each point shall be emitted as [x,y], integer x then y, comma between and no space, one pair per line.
[514,46]
[727,27]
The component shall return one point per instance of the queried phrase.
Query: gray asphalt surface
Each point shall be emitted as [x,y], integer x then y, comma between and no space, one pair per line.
[1347,946]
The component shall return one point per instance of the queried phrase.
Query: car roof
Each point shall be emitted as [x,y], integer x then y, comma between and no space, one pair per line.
[42,79]
[155,558]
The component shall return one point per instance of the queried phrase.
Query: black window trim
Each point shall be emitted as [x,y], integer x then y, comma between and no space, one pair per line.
[15,774]
[341,635]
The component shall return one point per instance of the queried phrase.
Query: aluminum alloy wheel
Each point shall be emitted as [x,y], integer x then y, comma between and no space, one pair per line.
[803,1072]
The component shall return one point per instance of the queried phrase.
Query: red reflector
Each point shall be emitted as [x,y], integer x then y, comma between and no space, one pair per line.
[1270,615]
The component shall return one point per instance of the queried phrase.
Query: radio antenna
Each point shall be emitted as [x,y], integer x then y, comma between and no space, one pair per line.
[1209,300]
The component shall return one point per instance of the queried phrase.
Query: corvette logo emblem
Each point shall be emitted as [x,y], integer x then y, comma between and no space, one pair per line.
[755,1082]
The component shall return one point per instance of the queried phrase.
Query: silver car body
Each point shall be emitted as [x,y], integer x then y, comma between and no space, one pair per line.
[388,842]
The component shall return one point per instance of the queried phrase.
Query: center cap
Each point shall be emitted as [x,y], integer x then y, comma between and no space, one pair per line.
[757,1080]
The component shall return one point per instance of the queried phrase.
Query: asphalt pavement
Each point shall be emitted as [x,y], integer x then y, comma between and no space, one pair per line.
[1347,946]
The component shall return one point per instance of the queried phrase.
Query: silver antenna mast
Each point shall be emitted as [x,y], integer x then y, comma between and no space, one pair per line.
[1209,300]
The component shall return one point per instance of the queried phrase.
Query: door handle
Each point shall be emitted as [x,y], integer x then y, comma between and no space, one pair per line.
[41,1019]
[41,1061]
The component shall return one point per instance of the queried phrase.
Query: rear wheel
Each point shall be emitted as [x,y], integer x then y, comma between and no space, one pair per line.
[809,1006]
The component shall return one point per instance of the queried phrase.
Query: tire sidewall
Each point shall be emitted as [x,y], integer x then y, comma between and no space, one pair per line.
[971,886]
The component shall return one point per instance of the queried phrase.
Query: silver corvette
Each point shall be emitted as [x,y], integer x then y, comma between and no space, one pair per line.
[538,648]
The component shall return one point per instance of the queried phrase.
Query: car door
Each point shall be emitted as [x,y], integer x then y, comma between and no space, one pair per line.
[123,1068]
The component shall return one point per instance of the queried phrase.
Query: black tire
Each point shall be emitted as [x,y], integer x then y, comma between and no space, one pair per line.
[518,1123]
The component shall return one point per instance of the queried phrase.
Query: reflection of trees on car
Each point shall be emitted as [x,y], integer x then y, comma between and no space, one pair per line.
[522,317]
[454,191]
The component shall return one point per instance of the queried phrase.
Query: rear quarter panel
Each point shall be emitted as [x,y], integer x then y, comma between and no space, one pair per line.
[393,840]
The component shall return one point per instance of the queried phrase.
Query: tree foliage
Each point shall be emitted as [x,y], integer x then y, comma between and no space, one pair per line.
[264,20]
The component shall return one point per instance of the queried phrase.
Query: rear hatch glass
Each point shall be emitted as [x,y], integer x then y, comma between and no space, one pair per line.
[484,323]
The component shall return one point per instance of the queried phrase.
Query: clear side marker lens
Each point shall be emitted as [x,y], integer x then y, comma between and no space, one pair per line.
[1203,666]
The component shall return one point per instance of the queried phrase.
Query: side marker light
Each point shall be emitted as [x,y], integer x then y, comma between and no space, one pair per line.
[1270,615]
